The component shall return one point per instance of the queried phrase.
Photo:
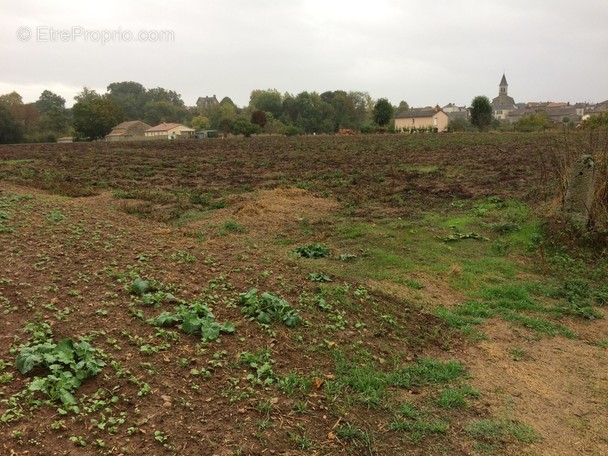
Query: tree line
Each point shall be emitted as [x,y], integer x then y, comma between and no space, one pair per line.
[93,115]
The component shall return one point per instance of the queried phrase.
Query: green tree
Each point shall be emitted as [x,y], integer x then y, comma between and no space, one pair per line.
[363,105]
[156,112]
[266,100]
[227,101]
[94,118]
[533,122]
[11,131]
[481,112]
[226,116]
[309,112]
[131,97]
[160,94]
[53,115]
[403,106]
[274,126]
[200,123]
[244,127]
[26,115]
[86,95]
[337,113]
[289,109]
[460,124]
[11,99]
[29,118]
[383,112]
[48,101]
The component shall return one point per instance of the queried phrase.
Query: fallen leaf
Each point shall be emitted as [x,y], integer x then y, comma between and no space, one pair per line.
[317,382]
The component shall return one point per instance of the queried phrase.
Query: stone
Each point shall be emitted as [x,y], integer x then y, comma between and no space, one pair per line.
[579,196]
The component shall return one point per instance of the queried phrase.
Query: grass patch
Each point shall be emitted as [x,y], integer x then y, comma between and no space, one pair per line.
[369,384]
[417,424]
[231,226]
[501,431]
[539,325]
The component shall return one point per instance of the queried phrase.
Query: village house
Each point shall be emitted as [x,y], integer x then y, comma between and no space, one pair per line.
[169,131]
[421,118]
[128,131]
[206,102]
[563,114]
[556,112]
[455,112]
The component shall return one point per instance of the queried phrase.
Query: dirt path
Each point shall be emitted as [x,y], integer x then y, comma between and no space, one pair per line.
[556,385]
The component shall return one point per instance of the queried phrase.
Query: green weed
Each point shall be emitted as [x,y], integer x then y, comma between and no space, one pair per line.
[194,317]
[268,307]
[312,251]
[261,363]
[69,363]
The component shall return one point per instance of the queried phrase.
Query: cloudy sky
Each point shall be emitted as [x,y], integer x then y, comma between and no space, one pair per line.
[424,52]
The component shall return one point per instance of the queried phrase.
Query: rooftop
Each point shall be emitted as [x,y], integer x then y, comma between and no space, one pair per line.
[418,112]
[165,127]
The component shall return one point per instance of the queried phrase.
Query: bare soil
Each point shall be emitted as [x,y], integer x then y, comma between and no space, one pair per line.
[74,239]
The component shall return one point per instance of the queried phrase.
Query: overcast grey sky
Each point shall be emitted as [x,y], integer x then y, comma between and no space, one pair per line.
[424,52]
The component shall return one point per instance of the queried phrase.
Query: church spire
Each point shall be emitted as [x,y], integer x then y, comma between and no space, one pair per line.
[503,86]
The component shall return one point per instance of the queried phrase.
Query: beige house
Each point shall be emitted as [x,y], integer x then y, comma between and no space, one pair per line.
[126,131]
[422,118]
[169,131]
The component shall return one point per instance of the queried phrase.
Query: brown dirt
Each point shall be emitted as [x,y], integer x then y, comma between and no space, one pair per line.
[558,387]
[269,212]
[56,267]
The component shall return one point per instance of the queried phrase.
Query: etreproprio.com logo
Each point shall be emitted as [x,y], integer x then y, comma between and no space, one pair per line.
[49,34]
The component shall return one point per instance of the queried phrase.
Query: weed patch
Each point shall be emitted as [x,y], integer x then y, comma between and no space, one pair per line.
[268,307]
[195,318]
[312,251]
[68,362]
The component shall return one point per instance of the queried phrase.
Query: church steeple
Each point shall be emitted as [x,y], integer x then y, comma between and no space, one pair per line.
[503,87]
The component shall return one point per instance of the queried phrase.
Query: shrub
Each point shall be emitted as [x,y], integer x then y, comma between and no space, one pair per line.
[291,130]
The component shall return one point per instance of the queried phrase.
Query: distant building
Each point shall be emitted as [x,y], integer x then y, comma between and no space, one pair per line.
[65,139]
[503,104]
[206,134]
[206,102]
[169,131]
[581,108]
[563,114]
[455,112]
[556,112]
[131,130]
[422,118]
[600,108]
